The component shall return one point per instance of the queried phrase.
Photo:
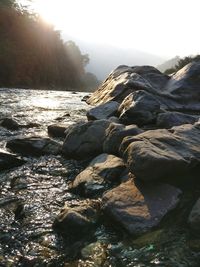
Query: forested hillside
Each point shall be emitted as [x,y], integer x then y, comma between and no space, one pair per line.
[32,53]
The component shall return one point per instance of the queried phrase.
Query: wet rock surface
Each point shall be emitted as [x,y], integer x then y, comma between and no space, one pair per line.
[10,124]
[138,207]
[99,176]
[8,160]
[13,125]
[34,146]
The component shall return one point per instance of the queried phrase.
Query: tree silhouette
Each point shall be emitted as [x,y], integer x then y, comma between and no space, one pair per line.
[182,62]
[32,53]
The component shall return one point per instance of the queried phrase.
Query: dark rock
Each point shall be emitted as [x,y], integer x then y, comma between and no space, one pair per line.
[170,119]
[85,98]
[10,124]
[8,160]
[98,176]
[184,85]
[114,119]
[139,207]
[63,117]
[85,140]
[31,125]
[34,146]
[194,217]
[139,108]
[103,111]
[78,221]
[57,130]
[115,134]
[158,154]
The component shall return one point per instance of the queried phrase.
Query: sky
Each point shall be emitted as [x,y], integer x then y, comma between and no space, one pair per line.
[162,27]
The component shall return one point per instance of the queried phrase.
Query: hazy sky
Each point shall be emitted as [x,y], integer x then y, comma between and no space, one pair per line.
[162,27]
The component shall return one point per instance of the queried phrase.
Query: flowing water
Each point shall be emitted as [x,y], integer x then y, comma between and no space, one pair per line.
[32,195]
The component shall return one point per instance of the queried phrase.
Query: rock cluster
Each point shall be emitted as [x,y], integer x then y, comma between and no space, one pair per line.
[142,140]
[152,142]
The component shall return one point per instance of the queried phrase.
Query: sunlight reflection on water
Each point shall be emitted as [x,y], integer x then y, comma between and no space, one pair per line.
[42,107]
[44,102]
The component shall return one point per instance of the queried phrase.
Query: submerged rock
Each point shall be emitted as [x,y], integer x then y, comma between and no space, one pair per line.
[158,154]
[103,111]
[137,208]
[8,160]
[79,220]
[34,146]
[95,252]
[98,176]
[115,134]
[85,140]
[194,217]
[10,124]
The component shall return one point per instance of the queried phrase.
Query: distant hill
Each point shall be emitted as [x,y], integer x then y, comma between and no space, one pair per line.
[105,58]
[168,64]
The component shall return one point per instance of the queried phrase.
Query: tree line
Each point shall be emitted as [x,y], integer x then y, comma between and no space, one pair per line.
[33,54]
[181,63]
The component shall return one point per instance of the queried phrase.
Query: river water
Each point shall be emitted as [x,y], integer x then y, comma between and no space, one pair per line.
[32,195]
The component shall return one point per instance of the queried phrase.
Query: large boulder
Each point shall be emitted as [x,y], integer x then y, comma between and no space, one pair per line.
[34,146]
[170,119]
[125,80]
[115,134]
[158,154]
[103,111]
[98,176]
[8,160]
[138,207]
[139,108]
[180,92]
[85,140]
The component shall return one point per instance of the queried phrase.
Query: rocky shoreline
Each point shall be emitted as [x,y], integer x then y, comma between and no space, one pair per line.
[140,150]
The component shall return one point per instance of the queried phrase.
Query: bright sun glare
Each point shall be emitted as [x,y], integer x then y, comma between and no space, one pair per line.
[167,27]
